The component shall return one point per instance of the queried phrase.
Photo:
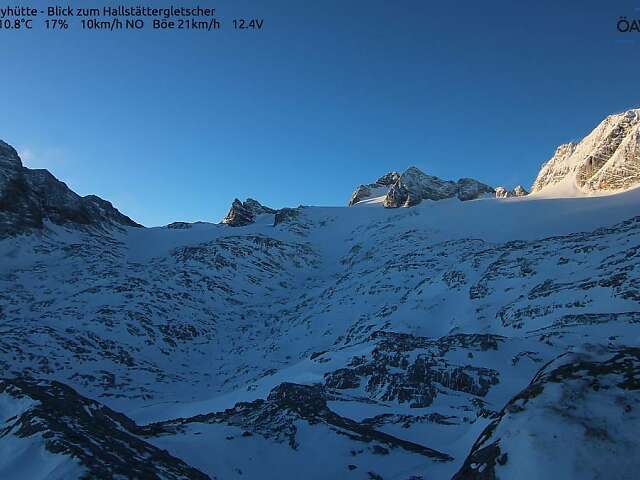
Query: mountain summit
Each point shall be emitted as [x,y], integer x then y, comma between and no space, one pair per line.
[29,197]
[245,213]
[606,160]
[413,186]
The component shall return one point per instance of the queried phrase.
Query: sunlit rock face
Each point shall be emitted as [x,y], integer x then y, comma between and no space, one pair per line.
[414,186]
[608,159]
[518,191]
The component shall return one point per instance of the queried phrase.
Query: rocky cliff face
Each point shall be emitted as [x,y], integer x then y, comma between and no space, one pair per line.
[29,197]
[379,187]
[413,186]
[608,159]
[245,213]
[82,437]
[470,189]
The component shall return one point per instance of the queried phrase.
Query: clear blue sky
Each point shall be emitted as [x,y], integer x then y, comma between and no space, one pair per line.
[330,94]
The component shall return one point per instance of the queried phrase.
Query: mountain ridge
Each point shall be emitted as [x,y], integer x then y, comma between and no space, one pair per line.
[333,342]
[30,197]
[606,160]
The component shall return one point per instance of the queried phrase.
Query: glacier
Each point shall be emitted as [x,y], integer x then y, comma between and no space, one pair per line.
[477,339]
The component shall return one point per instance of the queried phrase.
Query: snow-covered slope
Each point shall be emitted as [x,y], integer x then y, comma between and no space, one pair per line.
[593,396]
[351,343]
[48,431]
[606,160]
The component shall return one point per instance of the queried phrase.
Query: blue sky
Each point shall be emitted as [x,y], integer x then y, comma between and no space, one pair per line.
[173,125]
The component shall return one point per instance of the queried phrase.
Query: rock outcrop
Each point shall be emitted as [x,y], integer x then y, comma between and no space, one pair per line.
[608,159]
[413,186]
[245,213]
[518,191]
[286,215]
[470,189]
[502,192]
[379,187]
[29,197]
[287,408]
[83,434]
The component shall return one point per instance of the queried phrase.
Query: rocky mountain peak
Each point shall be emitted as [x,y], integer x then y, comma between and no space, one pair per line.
[10,165]
[29,197]
[413,186]
[245,213]
[8,157]
[377,188]
[608,159]
[518,191]
[388,179]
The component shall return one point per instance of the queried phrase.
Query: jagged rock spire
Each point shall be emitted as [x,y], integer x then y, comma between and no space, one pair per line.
[241,214]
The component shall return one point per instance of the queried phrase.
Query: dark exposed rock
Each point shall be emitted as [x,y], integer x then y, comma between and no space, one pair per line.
[413,186]
[366,191]
[242,214]
[287,403]
[10,165]
[180,225]
[388,179]
[407,421]
[256,207]
[106,443]
[413,370]
[361,193]
[29,197]
[238,215]
[470,189]
[306,400]
[285,215]
[343,378]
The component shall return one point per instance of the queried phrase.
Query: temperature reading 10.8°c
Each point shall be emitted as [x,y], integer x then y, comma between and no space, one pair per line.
[248,24]
[16,24]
